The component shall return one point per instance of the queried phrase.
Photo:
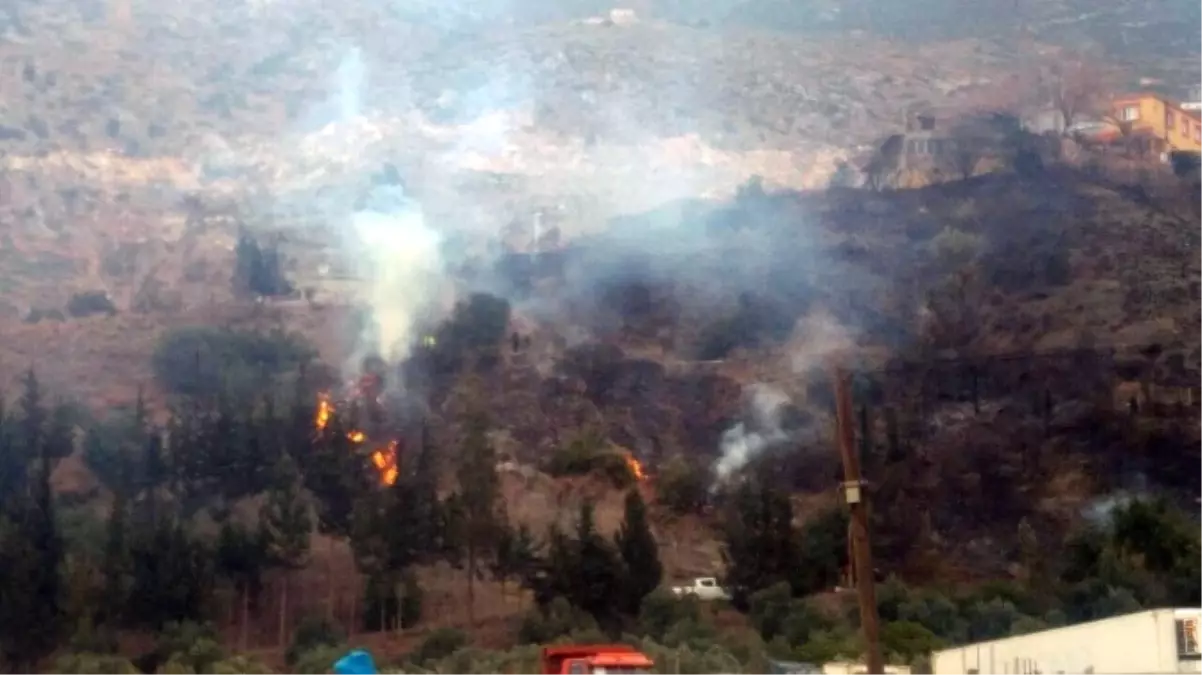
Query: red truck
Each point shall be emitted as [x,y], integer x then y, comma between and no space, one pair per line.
[582,659]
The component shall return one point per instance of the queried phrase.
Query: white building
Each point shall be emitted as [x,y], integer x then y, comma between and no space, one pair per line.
[1153,641]
[856,668]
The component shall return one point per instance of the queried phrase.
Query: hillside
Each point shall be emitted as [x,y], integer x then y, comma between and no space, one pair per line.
[683,310]
[612,238]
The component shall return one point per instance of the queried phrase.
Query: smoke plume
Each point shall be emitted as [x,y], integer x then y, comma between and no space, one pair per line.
[760,430]
[386,238]
[402,267]
[817,338]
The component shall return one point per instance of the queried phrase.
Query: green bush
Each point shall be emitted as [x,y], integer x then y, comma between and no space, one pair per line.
[206,361]
[474,330]
[955,248]
[682,485]
[662,609]
[440,644]
[86,662]
[189,647]
[239,664]
[756,321]
[311,633]
[318,660]
[558,618]
[590,454]
[89,303]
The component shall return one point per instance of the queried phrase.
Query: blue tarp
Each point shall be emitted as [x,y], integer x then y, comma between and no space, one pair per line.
[792,667]
[356,662]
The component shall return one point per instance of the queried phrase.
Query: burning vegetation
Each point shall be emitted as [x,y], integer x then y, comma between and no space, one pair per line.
[384,458]
[636,468]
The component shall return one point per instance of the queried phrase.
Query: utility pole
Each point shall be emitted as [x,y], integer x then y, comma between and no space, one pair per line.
[857,503]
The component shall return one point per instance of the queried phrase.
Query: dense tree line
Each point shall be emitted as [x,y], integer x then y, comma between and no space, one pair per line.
[224,449]
[220,451]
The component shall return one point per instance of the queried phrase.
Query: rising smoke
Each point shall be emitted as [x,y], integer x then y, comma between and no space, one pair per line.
[391,246]
[761,430]
[818,338]
[404,270]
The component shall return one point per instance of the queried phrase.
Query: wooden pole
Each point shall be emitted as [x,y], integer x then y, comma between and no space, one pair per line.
[857,503]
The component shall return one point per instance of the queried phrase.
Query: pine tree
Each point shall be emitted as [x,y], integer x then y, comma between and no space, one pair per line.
[422,498]
[33,416]
[241,558]
[516,555]
[41,624]
[760,543]
[373,541]
[172,576]
[642,570]
[153,475]
[13,464]
[480,496]
[116,565]
[18,599]
[596,577]
[287,525]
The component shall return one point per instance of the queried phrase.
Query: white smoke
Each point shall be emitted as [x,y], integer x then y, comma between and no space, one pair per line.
[760,430]
[397,253]
[404,270]
[1101,511]
[817,339]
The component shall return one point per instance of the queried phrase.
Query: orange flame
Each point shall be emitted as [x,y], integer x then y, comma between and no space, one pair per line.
[324,410]
[636,468]
[385,461]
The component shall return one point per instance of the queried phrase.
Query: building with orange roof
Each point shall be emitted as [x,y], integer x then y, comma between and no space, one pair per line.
[1157,117]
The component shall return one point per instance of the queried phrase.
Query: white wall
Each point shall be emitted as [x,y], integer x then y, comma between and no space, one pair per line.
[1144,642]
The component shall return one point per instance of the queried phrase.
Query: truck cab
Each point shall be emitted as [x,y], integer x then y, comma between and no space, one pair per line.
[704,588]
[584,659]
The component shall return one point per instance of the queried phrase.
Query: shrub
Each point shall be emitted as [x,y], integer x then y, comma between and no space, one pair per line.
[189,647]
[557,618]
[86,662]
[662,609]
[89,303]
[207,361]
[955,248]
[258,269]
[755,322]
[311,633]
[440,644]
[589,454]
[36,314]
[318,660]
[475,328]
[683,486]
[1184,163]
[239,664]
[907,640]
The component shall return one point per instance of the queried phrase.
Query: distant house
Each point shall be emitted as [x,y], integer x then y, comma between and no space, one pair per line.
[930,142]
[1162,121]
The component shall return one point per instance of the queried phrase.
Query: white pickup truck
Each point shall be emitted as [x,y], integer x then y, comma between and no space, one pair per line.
[704,588]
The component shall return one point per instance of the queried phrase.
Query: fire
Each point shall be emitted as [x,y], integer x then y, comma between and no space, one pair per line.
[636,468]
[385,461]
[324,410]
